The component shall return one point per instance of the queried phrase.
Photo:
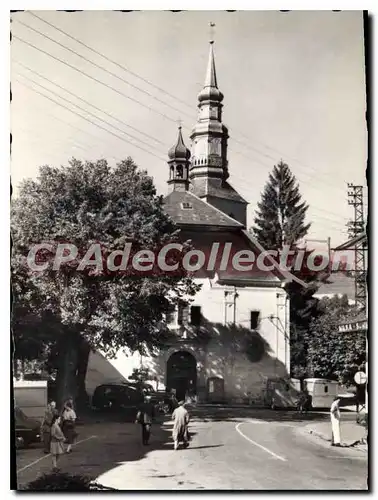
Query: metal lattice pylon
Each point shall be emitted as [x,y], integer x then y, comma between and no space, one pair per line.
[356,227]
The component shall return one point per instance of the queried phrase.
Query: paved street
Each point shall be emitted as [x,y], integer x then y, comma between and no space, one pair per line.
[231,450]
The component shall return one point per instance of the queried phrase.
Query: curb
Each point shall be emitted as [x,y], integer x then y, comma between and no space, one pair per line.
[227,407]
[353,446]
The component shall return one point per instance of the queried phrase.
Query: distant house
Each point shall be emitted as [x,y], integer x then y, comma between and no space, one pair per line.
[338,284]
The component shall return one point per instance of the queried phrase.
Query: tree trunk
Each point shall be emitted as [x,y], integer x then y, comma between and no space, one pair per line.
[66,381]
[84,352]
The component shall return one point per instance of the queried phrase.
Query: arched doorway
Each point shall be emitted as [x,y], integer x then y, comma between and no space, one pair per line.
[182,374]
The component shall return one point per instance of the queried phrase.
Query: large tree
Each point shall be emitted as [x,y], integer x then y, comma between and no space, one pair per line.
[280,221]
[83,204]
[281,213]
[332,354]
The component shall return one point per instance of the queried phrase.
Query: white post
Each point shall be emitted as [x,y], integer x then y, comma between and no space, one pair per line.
[367,376]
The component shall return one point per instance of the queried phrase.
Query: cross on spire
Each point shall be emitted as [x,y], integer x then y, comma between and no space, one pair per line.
[179,123]
[212,31]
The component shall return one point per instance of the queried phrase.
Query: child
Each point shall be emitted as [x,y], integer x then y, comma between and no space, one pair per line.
[57,440]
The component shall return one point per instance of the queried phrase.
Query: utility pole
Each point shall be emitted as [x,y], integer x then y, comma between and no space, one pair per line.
[356,227]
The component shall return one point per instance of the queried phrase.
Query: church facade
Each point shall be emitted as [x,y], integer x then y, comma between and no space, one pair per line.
[234,335]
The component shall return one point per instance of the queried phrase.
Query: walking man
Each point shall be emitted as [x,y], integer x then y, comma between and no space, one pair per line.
[145,416]
[180,431]
[335,422]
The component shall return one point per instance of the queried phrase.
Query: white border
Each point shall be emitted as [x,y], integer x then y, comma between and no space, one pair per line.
[136,5]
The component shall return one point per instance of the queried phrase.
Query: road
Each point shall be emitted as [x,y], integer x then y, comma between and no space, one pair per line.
[230,450]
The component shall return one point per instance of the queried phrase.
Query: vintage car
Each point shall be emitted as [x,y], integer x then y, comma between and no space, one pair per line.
[28,430]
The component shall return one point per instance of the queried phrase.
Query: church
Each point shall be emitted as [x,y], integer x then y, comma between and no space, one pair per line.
[234,335]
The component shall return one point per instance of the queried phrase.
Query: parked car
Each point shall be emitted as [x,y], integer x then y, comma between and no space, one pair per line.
[117,398]
[126,398]
[28,430]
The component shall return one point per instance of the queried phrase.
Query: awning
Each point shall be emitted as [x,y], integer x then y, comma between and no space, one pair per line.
[352,243]
[359,323]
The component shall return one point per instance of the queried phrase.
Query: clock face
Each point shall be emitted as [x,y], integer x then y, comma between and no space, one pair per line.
[213,112]
[214,146]
[216,161]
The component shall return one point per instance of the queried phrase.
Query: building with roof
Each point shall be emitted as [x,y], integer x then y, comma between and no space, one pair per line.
[359,323]
[338,284]
[235,333]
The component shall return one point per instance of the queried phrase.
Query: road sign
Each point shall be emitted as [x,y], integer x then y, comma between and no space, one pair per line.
[360,378]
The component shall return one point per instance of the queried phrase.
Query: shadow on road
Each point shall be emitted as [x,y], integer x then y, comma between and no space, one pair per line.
[116,443]
[203,447]
[216,414]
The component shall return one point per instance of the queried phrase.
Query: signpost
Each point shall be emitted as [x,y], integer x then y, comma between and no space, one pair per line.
[360,378]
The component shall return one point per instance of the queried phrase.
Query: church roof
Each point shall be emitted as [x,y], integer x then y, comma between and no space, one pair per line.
[185,208]
[210,187]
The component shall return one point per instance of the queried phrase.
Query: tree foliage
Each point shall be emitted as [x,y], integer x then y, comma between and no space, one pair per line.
[83,204]
[280,217]
[332,354]
[141,375]
[280,221]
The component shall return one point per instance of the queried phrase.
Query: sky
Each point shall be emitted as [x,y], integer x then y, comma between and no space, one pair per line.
[294,87]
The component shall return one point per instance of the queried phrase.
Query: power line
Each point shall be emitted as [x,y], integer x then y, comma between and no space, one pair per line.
[123,96]
[85,110]
[98,66]
[77,144]
[79,129]
[90,104]
[102,128]
[88,120]
[150,83]
[50,145]
[104,121]
[92,78]
[110,60]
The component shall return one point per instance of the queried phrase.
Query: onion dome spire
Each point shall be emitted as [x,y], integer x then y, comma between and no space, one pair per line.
[179,151]
[210,90]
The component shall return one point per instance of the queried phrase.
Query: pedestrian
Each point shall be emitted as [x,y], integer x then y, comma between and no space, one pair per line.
[68,424]
[173,402]
[335,422]
[56,441]
[304,402]
[145,417]
[46,425]
[180,432]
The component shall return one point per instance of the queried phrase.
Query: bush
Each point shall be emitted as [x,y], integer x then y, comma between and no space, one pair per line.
[63,482]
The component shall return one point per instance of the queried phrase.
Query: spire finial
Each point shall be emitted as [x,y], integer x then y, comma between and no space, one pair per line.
[212,32]
[179,123]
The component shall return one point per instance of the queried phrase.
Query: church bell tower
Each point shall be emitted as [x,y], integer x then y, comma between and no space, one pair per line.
[179,161]
[209,136]
[208,173]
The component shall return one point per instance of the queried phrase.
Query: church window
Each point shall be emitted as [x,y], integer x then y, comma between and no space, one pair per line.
[255,319]
[185,205]
[179,172]
[183,313]
[170,315]
[195,315]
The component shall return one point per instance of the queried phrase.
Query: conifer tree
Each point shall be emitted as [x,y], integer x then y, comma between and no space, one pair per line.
[280,221]
[280,218]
